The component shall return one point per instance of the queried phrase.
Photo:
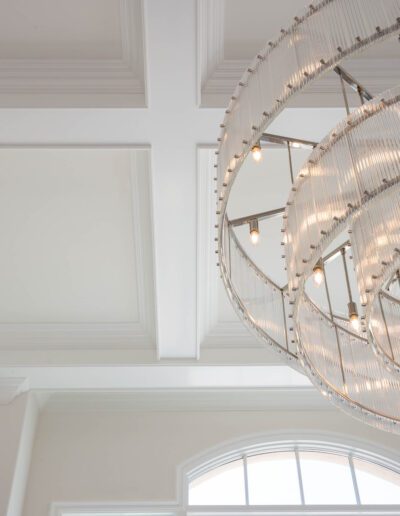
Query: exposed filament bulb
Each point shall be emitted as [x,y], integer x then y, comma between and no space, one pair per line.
[256,152]
[254,231]
[318,273]
[353,316]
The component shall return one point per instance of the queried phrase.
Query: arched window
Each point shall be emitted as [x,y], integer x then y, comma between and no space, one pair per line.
[293,473]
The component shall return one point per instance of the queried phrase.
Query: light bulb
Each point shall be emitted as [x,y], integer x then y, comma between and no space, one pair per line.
[296,145]
[254,236]
[355,323]
[254,231]
[353,316]
[318,273]
[256,152]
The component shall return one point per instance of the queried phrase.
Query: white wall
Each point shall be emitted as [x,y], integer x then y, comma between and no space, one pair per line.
[11,417]
[17,430]
[117,456]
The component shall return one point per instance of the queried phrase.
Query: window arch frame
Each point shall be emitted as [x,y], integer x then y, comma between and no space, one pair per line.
[296,442]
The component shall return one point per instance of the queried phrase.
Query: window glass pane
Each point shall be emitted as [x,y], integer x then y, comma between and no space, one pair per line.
[377,485]
[273,479]
[326,479]
[221,486]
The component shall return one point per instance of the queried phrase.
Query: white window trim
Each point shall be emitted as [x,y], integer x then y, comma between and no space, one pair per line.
[151,509]
[290,441]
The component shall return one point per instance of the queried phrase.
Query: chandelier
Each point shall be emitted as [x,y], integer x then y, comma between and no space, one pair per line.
[347,191]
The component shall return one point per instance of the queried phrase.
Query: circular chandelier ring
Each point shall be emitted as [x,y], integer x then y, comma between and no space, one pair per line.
[316,42]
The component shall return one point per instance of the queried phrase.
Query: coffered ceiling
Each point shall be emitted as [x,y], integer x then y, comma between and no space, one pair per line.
[76,261]
[58,53]
[55,53]
[107,213]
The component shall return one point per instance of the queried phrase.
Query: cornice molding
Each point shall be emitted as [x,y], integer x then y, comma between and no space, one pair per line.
[143,239]
[210,38]
[80,82]
[279,399]
[232,334]
[49,336]
[10,388]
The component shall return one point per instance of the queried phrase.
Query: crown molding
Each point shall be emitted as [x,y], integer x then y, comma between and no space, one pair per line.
[81,82]
[230,334]
[115,509]
[49,336]
[207,271]
[156,400]
[166,376]
[150,400]
[177,509]
[143,239]
[210,39]
[10,388]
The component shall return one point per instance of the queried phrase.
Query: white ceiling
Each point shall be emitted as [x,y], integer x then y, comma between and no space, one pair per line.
[249,25]
[55,29]
[67,234]
[108,251]
[73,225]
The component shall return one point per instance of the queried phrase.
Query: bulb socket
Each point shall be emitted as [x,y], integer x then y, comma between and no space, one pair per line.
[353,312]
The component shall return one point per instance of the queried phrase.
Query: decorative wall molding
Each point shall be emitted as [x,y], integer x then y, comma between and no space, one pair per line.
[172,509]
[143,240]
[210,39]
[48,336]
[10,388]
[230,334]
[84,82]
[116,509]
[183,400]
[121,335]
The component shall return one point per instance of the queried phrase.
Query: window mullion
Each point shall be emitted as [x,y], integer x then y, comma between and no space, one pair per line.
[296,452]
[354,478]
[246,480]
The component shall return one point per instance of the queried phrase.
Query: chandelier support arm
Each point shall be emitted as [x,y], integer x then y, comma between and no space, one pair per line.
[284,321]
[345,77]
[344,93]
[386,327]
[328,297]
[290,162]
[285,140]
[257,216]
[346,274]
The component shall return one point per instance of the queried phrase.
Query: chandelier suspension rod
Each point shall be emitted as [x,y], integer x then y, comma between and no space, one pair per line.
[363,93]
[335,251]
[284,320]
[346,273]
[285,140]
[257,216]
[290,162]
[385,324]
[328,297]
[346,100]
